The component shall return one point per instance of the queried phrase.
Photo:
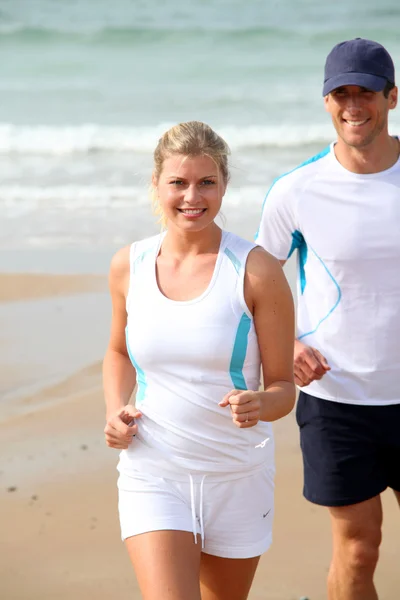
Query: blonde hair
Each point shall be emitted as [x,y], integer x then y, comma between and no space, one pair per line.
[193,138]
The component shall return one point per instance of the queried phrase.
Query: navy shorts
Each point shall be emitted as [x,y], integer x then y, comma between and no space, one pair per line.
[351,453]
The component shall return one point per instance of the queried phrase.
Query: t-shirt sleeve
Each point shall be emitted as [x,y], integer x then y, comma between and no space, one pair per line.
[278,231]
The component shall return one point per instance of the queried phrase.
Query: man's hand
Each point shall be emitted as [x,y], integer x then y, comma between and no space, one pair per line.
[309,364]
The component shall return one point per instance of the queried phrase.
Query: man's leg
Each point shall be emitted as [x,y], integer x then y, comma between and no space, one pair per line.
[356,533]
[391,454]
[346,470]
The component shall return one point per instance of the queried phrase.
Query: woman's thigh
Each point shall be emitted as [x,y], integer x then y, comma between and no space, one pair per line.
[166,564]
[157,526]
[226,578]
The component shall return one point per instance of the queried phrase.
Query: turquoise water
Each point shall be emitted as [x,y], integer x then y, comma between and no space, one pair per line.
[87,88]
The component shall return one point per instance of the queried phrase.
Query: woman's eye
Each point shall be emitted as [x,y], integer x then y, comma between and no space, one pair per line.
[176,182]
[208,182]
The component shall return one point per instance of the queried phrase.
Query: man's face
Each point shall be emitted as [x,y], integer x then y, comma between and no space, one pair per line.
[359,115]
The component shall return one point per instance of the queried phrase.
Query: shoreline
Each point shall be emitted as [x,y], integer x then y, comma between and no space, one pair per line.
[20,287]
[53,333]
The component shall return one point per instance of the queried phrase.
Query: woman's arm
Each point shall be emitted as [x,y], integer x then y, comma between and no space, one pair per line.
[267,289]
[269,298]
[119,376]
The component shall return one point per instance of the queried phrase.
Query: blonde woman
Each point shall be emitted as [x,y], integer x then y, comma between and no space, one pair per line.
[197,314]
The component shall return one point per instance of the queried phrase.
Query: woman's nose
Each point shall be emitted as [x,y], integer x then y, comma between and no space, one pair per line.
[192,194]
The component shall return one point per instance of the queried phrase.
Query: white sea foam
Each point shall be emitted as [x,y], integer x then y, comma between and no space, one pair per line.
[91,138]
[19,198]
[71,196]
[101,217]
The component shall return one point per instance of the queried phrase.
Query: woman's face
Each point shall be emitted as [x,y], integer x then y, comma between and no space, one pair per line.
[190,191]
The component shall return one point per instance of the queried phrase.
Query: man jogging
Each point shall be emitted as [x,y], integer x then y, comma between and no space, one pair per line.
[341,211]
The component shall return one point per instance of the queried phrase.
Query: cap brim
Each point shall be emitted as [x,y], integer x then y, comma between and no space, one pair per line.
[371,82]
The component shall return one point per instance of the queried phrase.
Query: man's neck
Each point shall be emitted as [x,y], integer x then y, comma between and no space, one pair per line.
[374,158]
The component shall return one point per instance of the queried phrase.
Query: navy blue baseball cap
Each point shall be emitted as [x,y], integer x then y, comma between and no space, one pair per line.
[358,62]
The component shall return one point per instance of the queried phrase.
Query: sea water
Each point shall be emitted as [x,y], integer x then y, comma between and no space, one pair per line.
[87,88]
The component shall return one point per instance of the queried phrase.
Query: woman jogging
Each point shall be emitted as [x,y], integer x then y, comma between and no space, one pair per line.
[198,313]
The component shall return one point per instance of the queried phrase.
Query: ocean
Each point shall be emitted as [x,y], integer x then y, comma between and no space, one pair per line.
[88,86]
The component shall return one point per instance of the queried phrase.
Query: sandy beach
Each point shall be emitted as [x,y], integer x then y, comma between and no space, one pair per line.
[28,286]
[59,529]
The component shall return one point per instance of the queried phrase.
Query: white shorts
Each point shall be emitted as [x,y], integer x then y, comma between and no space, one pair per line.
[233,517]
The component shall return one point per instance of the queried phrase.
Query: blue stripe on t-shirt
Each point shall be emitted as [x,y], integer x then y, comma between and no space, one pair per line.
[298,241]
[321,154]
[339,297]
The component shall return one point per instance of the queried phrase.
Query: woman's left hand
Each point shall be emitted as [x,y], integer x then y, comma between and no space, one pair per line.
[245,407]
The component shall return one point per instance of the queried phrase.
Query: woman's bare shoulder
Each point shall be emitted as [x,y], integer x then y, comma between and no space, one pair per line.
[262,265]
[120,265]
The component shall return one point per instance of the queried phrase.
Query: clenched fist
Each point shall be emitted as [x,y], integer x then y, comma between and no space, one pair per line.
[245,407]
[120,427]
[309,364]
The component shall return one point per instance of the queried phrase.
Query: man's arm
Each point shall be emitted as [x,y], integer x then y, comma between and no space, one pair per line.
[277,234]
[309,363]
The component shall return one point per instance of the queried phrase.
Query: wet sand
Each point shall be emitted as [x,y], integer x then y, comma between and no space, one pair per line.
[52,328]
[28,286]
[59,529]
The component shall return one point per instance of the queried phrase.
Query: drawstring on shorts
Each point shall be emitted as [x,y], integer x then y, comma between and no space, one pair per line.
[193,507]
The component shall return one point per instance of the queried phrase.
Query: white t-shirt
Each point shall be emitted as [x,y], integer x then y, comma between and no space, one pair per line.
[346,229]
[188,356]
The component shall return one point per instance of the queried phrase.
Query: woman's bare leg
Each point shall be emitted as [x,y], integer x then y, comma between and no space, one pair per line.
[166,564]
[226,578]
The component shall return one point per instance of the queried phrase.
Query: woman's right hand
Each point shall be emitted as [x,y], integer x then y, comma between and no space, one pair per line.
[121,427]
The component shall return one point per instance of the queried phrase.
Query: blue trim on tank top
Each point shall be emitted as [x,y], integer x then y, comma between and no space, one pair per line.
[239,353]
[141,257]
[234,260]
[141,378]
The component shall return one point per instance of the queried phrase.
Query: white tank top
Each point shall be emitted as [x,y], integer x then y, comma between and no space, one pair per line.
[187,356]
